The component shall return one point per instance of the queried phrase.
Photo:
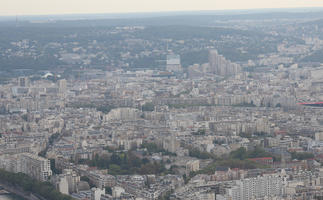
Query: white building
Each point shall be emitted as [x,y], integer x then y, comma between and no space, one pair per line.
[63,185]
[319,136]
[72,180]
[35,166]
[220,66]
[171,144]
[123,114]
[256,188]
[173,63]
[27,163]
[117,191]
[96,193]
[11,163]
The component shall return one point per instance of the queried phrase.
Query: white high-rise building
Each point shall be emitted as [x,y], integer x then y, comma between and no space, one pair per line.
[23,81]
[35,166]
[62,86]
[117,191]
[27,163]
[11,163]
[72,180]
[96,193]
[171,144]
[173,63]
[220,66]
[256,188]
[63,185]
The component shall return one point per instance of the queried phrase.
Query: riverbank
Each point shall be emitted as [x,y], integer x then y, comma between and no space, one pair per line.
[17,193]
[11,197]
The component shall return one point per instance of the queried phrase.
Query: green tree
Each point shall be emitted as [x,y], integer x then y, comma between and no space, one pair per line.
[240,154]
[86,179]
[108,190]
[148,107]
[43,189]
[194,152]
[302,155]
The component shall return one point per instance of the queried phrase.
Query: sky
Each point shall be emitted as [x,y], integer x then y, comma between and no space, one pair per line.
[44,7]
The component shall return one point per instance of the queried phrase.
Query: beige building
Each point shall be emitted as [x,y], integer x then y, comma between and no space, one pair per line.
[171,144]
[319,136]
[192,166]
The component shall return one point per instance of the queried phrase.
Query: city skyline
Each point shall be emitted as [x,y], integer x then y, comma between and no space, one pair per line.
[198,103]
[46,7]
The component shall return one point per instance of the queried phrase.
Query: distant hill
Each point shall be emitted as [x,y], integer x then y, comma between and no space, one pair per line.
[192,18]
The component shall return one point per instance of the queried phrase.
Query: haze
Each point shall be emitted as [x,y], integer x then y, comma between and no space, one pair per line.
[39,7]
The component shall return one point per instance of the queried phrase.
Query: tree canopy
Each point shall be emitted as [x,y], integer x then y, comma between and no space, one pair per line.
[44,189]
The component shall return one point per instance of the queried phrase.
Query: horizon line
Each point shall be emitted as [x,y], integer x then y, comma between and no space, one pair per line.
[160,12]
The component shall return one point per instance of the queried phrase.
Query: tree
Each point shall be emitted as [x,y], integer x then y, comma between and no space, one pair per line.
[125,163]
[185,178]
[53,167]
[86,179]
[43,189]
[240,154]
[194,152]
[108,190]
[148,107]
[243,154]
[199,132]
[302,155]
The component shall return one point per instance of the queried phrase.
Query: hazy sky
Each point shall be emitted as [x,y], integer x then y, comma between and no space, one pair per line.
[35,7]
